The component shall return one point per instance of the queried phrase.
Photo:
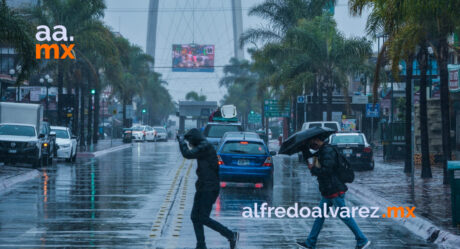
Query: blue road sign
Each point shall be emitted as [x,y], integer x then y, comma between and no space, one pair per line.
[372,111]
[300,99]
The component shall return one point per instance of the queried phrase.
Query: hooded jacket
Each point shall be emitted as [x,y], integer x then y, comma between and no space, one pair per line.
[328,180]
[204,152]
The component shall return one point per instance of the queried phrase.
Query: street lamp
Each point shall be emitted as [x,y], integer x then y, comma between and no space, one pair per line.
[48,80]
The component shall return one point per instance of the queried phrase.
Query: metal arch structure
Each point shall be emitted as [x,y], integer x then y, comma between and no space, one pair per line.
[237,16]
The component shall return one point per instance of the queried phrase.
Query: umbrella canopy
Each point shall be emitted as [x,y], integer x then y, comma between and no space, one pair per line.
[298,140]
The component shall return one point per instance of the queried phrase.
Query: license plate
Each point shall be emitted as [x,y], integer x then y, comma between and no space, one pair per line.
[12,151]
[243,162]
[347,151]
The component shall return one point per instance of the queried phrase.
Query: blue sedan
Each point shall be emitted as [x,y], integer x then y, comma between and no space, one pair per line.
[245,160]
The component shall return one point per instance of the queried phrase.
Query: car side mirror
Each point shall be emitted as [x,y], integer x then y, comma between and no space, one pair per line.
[41,135]
[53,133]
[273,153]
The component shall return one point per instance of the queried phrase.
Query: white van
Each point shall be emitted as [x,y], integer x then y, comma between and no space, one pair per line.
[323,124]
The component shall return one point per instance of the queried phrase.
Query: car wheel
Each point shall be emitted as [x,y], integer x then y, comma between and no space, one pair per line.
[372,165]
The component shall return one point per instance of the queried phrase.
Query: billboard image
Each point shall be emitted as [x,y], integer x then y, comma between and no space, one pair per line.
[193,58]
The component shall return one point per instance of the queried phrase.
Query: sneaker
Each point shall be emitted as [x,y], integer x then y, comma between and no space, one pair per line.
[368,243]
[303,245]
[234,240]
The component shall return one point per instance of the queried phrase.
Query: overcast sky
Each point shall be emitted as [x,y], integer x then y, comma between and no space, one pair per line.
[202,22]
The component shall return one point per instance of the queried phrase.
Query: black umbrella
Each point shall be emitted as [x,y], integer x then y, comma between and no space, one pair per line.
[299,140]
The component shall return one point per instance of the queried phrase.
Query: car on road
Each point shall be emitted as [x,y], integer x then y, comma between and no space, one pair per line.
[355,148]
[143,133]
[161,133]
[239,134]
[67,143]
[245,160]
[214,131]
[127,135]
[323,124]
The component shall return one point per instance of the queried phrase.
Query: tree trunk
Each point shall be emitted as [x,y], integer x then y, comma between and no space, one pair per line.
[124,114]
[96,115]
[408,125]
[82,115]
[76,111]
[423,61]
[90,116]
[445,106]
[320,102]
[329,103]
[60,81]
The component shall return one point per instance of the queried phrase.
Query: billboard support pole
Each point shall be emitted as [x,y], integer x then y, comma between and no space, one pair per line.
[237,14]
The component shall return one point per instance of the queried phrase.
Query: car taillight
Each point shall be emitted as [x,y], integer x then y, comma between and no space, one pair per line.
[223,184]
[367,149]
[268,162]
[219,160]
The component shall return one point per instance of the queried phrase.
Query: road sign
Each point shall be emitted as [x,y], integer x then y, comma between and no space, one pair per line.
[372,111]
[254,118]
[300,99]
[272,109]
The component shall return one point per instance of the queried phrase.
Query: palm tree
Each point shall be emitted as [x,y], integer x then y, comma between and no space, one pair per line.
[281,15]
[192,95]
[17,33]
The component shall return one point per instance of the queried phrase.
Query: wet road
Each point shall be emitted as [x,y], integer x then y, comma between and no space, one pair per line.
[141,197]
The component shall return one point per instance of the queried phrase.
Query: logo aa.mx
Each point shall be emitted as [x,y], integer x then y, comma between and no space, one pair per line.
[59,34]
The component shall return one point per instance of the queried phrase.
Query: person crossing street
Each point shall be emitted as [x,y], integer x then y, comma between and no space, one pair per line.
[207,187]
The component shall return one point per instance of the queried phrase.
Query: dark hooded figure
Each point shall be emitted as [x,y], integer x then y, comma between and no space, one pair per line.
[207,186]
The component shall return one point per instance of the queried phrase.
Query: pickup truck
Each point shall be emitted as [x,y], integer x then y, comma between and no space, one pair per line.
[24,136]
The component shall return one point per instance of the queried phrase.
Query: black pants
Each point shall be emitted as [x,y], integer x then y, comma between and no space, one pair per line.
[201,210]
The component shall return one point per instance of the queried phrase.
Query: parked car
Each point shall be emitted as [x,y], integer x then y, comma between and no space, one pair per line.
[24,136]
[161,133]
[355,148]
[214,131]
[323,124]
[143,133]
[66,142]
[127,135]
[245,160]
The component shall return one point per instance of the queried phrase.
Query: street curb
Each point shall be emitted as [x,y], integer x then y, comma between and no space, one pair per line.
[418,225]
[103,152]
[5,184]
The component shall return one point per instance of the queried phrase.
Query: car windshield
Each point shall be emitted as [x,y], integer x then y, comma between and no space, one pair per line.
[61,134]
[312,125]
[332,126]
[349,139]
[160,129]
[138,128]
[243,147]
[217,131]
[17,130]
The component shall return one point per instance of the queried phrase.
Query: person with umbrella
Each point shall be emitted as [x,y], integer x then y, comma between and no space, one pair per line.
[324,167]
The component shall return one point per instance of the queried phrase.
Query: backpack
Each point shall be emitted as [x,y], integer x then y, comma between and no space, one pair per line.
[344,171]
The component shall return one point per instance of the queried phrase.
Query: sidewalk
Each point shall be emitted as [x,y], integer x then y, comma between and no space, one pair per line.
[430,197]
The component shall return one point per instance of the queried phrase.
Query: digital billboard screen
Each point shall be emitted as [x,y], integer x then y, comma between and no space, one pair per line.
[193,58]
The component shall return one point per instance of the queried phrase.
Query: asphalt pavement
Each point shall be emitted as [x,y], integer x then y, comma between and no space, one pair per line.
[141,197]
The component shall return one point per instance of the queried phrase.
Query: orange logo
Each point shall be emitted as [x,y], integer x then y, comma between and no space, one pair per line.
[60,51]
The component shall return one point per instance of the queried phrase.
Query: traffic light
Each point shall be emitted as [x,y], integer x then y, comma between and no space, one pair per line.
[144,110]
[93,91]
[252,112]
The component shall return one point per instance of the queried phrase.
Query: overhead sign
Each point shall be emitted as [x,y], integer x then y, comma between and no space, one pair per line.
[300,99]
[254,118]
[372,111]
[359,99]
[273,108]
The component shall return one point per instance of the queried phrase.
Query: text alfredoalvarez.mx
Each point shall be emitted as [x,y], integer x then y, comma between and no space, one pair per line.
[59,36]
